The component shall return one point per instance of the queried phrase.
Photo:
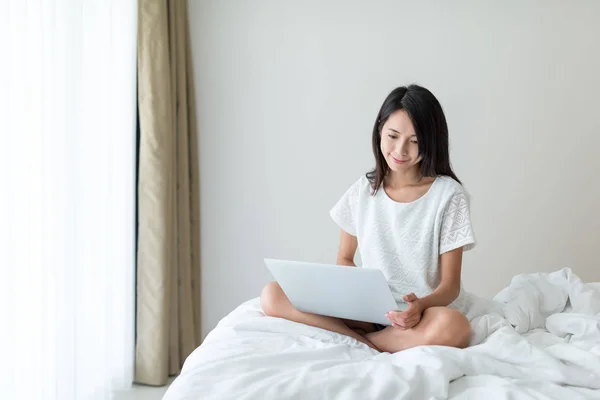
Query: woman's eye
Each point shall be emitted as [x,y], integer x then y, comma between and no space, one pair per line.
[392,136]
[413,141]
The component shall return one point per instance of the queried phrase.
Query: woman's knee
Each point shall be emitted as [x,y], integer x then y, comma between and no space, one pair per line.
[273,300]
[448,327]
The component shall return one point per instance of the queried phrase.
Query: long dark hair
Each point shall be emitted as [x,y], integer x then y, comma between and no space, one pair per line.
[429,122]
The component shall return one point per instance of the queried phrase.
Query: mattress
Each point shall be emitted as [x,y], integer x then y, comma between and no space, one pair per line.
[539,338]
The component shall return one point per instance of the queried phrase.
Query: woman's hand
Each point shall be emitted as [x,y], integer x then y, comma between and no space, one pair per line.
[409,318]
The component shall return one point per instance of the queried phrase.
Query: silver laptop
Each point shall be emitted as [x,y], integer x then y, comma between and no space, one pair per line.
[360,294]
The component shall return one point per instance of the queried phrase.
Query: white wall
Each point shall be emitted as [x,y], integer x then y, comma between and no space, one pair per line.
[288,92]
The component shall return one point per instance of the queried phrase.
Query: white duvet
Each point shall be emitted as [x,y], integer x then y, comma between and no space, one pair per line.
[538,339]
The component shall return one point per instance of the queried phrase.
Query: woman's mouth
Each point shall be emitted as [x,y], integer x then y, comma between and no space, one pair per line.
[398,161]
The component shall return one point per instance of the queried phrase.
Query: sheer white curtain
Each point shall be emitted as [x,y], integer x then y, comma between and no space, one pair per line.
[67,200]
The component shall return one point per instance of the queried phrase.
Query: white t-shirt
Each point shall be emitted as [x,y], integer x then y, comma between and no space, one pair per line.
[405,240]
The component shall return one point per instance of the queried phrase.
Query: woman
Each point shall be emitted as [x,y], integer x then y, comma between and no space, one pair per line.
[410,218]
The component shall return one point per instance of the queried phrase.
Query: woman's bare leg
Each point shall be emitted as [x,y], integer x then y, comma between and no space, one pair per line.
[440,326]
[360,327]
[275,303]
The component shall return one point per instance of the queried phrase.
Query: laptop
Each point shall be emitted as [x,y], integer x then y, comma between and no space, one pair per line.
[359,294]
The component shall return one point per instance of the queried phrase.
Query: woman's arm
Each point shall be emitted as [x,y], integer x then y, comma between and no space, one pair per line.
[449,288]
[447,291]
[347,249]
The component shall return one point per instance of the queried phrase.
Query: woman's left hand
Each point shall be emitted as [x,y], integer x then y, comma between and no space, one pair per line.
[410,317]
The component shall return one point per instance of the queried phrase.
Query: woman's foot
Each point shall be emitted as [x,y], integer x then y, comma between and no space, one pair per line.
[363,338]
[368,343]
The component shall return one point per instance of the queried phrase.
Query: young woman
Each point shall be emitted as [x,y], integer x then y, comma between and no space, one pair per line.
[410,218]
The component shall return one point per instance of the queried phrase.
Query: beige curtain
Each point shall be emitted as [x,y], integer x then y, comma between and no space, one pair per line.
[168,274]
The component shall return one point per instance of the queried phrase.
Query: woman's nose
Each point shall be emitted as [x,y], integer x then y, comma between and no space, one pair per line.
[402,147]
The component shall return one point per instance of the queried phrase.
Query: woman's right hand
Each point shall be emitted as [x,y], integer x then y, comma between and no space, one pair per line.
[410,317]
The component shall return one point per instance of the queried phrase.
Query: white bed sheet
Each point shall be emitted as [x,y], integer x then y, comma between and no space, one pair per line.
[538,339]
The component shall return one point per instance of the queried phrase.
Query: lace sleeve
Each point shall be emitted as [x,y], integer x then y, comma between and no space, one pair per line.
[457,230]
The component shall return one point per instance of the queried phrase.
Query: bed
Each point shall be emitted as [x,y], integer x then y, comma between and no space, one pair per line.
[539,338]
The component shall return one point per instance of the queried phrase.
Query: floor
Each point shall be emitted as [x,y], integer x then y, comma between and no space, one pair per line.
[141,392]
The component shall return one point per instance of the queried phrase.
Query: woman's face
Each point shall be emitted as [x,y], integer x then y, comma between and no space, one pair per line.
[399,142]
